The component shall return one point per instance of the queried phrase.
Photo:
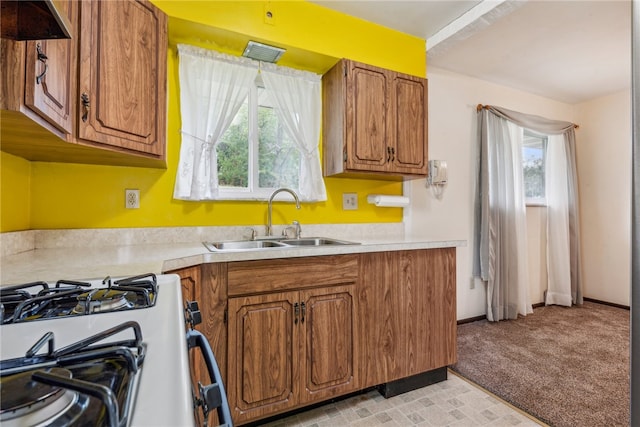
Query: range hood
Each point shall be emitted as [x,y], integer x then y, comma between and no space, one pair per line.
[33,20]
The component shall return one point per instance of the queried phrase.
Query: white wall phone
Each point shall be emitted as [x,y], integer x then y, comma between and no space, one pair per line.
[437,177]
[437,172]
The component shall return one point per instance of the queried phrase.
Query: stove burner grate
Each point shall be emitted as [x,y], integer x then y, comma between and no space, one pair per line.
[38,300]
[90,382]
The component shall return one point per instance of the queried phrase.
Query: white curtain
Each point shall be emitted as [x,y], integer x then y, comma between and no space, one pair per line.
[495,254]
[298,106]
[502,251]
[558,253]
[213,87]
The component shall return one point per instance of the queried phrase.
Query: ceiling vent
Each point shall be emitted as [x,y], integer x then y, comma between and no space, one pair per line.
[262,52]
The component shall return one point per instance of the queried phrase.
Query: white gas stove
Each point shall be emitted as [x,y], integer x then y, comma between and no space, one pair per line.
[142,345]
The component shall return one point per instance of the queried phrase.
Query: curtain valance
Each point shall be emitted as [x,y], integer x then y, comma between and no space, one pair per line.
[530,121]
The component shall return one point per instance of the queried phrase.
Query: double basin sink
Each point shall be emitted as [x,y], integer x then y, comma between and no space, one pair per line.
[250,245]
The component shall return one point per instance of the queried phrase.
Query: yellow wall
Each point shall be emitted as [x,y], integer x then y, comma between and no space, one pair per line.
[89,196]
[15,184]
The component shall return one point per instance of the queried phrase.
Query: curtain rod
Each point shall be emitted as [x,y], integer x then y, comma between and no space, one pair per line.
[480,107]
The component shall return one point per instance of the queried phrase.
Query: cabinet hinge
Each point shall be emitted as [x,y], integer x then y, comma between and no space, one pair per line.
[225,319]
[344,156]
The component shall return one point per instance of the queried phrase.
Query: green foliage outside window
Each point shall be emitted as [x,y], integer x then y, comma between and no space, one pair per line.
[278,157]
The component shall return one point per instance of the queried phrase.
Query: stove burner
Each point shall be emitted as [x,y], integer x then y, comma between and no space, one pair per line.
[90,382]
[28,402]
[40,300]
[103,300]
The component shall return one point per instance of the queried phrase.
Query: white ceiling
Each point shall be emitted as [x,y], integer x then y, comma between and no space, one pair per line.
[570,51]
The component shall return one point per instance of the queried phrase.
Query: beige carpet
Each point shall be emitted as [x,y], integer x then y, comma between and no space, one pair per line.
[565,366]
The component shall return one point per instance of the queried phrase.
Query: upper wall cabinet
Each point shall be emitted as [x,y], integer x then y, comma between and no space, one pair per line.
[98,98]
[374,122]
[123,68]
[48,94]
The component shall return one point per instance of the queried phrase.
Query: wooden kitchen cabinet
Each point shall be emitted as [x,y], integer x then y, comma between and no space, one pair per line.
[102,99]
[39,78]
[288,349]
[122,76]
[303,330]
[407,313]
[374,122]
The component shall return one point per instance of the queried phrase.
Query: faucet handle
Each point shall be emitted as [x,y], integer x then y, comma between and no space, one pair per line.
[253,232]
[298,229]
[295,226]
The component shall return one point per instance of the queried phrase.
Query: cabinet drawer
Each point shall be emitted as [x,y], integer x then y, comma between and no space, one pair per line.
[251,277]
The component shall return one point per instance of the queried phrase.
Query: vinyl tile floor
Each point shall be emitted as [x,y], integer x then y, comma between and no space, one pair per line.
[454,402]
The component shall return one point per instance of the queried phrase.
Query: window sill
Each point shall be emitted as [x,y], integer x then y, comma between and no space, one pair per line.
[536,203]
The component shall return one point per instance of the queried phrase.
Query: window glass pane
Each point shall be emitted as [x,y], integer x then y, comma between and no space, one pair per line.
[233,152]
[278,156]
[533,163]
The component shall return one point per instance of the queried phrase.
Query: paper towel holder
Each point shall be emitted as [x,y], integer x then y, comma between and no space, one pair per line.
[389,201]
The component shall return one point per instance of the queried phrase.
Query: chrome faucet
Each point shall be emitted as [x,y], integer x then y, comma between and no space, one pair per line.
[295,196]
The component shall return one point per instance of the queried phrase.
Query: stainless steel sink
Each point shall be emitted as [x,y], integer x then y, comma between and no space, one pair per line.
[315,241]
[242,245]
[249,245]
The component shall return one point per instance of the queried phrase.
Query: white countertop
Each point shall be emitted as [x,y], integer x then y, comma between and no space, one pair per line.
[93,261]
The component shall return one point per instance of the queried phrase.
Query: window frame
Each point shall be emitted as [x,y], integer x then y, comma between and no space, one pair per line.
[536,201]
[253,192]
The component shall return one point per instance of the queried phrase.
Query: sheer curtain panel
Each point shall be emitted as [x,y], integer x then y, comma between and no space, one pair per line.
[502,255]
[213,86]
[558,254]
[299,107]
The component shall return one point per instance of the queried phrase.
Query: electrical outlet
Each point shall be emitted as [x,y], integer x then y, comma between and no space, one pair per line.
[131,198]
[349,201]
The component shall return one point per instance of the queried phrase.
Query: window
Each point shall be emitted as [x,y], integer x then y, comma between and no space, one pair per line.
[255,154]
[534,154]
[247,129]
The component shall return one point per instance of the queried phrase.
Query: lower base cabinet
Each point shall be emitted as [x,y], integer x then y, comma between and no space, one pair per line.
[291,332]
[288,349]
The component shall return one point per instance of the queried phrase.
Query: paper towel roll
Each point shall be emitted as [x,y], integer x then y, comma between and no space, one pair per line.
[388,201]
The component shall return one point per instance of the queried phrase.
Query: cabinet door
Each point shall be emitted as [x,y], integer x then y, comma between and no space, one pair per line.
[409,124]
[189,280]
[380,319]
[122,87]
[367,109]
[262,356]
[50,75]
[407,313]
[430,301]
[328,326]
[206,284]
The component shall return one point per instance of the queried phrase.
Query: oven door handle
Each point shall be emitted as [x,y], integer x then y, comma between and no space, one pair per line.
[212,395]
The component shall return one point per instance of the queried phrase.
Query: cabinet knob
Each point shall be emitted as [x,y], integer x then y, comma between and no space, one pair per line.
[42,58]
